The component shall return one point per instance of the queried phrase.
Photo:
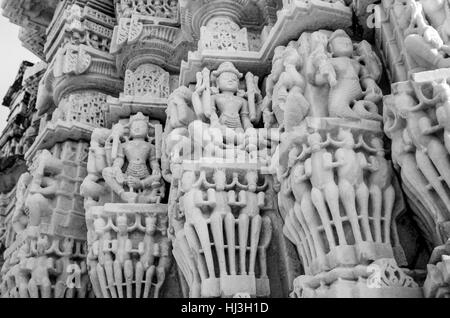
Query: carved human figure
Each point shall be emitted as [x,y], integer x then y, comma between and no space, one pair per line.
[441,95]
[104,270]
[431,155]
[250,222]
[305,212]
[196,228]
[291,81]
[318,71]
[270,119]
[123,266]
[325,192]
[382,192]
[179,111]
[219,221]
[39,284]
[228,107]
[137,151]
[97,162]
[352,188]
[147,252]
[19,274]
[164,263]
[427,45]
[404,155]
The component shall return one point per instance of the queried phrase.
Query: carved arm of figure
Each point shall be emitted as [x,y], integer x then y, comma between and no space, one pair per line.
[408,142]
[426,127]
[268,115]
[300,178]
[373,165]
[372,91]
[197,101]
[209,202]
[320,70]
[363,161]
[242,199]
[117,166]
[245,116]
[328,161]
[417,21]
[308,168]
[251,95]
[214,116]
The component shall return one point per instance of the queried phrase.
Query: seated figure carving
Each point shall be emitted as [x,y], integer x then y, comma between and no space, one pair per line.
[128,164]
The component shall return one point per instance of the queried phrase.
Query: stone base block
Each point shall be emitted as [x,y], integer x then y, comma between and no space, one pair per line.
[210,288]
[231,285]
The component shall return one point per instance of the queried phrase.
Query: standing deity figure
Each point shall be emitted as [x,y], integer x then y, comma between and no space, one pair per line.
[144,184]
[226,107]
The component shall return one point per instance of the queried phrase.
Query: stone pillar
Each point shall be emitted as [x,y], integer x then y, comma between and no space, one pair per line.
[338,195]
[50,246]
[225,33]
[125,195]
[415,116]
[220,210]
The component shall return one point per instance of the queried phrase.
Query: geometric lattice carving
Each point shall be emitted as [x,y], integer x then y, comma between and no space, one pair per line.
[223,34]
[147,80]
[85,107]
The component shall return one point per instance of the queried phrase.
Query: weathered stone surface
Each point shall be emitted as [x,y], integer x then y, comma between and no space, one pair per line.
[227,148]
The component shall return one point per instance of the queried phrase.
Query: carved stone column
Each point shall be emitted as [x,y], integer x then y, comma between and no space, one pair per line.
[129,252]
[125,195]
[338,195]
[220,209]
[416,121]
[48,256]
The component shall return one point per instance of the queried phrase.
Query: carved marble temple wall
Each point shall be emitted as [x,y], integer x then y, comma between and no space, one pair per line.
[222,148]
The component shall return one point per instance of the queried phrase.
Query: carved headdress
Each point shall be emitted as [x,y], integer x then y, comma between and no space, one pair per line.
[227,67]
[138,117]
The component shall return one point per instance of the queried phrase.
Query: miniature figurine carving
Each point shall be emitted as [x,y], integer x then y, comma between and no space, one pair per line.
[143,184]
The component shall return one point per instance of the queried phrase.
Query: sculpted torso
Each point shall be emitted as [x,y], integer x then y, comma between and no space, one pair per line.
[351,165]
[299,182]
[229,107]
[322,173]
[137,152]
[414,130]
[346,68]
[382,176]
[229,104]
